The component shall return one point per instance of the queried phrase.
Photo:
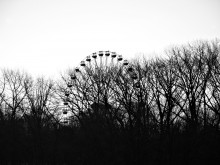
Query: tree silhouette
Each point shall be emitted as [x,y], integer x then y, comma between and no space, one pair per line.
[109,110]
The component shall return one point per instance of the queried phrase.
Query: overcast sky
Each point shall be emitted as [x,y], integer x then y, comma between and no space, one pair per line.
[45,37]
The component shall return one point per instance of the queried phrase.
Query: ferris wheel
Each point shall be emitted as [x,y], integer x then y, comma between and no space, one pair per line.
[96,79]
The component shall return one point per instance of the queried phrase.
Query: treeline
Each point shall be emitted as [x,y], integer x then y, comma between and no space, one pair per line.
[159,111]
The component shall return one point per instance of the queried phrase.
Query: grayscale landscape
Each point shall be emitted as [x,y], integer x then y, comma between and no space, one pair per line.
[102,82]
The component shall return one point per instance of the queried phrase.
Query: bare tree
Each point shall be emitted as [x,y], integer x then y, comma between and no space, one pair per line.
[2,96]
[41,107]
[13,93]
[211,114]
[193,74]
[163,82]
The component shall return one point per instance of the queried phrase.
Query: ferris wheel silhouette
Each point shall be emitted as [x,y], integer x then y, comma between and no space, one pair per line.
[93,79]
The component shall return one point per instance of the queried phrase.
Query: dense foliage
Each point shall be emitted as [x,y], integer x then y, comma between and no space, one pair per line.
[159,111]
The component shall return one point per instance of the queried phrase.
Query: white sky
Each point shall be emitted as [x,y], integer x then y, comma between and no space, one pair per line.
[45,37]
